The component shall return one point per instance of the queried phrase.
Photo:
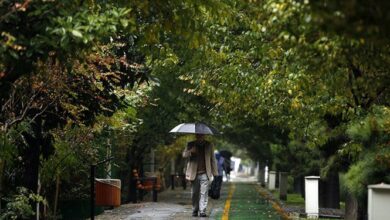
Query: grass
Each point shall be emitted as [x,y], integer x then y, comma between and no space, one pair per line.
[297,200]
[294,199]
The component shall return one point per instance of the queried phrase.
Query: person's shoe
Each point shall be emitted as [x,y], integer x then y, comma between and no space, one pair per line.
[194,214]
[202,215]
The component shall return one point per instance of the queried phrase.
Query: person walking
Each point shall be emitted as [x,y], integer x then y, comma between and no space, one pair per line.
[201,168]
[227,167]
[215,189]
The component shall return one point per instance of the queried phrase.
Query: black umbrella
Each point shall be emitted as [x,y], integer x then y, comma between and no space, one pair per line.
[226,154]
[194,128]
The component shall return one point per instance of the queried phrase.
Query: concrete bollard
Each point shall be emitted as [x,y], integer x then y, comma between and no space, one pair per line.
[378,201]
[283,184]
[311,196]
[271,180]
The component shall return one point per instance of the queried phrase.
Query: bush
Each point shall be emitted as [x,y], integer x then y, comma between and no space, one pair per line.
[19,206]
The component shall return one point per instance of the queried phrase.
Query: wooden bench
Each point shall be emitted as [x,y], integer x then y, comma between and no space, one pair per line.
[145,184]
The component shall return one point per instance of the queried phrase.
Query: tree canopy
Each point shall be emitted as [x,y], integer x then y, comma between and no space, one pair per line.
[287,80]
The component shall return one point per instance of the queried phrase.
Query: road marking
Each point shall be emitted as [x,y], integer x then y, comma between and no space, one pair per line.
[225,215]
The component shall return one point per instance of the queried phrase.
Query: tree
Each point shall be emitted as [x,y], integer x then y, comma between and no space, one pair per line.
[64,63]
[288,64]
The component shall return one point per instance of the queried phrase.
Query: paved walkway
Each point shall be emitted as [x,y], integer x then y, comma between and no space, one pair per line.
[240,199]
[246,203]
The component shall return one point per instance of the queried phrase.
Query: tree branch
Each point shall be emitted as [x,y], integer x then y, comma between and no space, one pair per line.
[24,111]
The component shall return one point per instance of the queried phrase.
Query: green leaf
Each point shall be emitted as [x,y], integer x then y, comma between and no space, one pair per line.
[77,33]
[124,22]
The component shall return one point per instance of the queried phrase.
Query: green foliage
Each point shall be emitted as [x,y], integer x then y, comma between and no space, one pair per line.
[19,206]
[165,153]
[74,152]
[369,170]
[67,62]
[85,27]
[57,27]
[302,85]
[296,158]
[9,141]
[373,124]
[287,65]
[371,136]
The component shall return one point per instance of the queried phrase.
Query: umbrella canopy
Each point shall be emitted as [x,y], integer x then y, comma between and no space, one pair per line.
[194,128]
[226,154]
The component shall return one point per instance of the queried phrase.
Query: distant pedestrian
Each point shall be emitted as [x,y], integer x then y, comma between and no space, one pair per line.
[201,168]
[220,161]
[215,189]
[227,168]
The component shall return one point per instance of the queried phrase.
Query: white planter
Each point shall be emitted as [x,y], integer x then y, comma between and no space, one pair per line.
[271,180]
[378,202]
[311,196]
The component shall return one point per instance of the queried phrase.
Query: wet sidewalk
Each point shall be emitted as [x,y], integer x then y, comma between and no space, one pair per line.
[172,204]
[240,199]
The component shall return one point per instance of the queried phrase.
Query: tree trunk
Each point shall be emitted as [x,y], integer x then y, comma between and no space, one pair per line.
[362,208]
[355,209]
[330,191]
[38,192]
[56,195]
[277,180]
[333,200]
[297,185]
[351,207]
[2,167]
[31,165]
[31,156]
